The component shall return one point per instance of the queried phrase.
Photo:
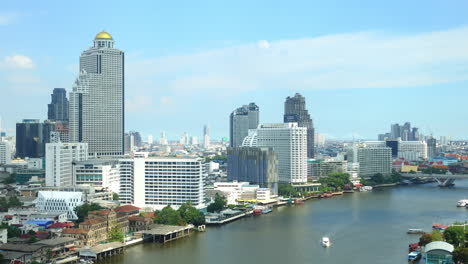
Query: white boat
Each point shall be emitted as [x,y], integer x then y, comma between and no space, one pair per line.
[462,203]
[325,242]
[366,188]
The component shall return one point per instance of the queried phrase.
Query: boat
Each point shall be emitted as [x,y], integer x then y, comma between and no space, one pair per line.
[415,231]
[257,212]
[462,203]
[414,256]
[266,211]
[365,188]
[439,227]
[298,201]
[325,195]
[325,241]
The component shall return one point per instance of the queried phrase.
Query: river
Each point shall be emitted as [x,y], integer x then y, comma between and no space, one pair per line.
[363,228]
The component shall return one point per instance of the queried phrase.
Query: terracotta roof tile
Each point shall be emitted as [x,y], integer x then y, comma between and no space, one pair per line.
[126,208]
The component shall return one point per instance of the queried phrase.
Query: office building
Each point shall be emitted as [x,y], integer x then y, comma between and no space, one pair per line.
[31,137]
[96,110]
[206,136]
[431,147]
[240,121]
[129,143]
[160,181]
[372,158]
[289,142]
[59,159]
[59,201]
[254,165]
[323,168]
[295,111]
[58,108]
[404,132]
[98,173]
[412,150]
[5,152]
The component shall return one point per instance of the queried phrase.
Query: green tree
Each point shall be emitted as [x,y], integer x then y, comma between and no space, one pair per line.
[169,216]
[436,235]
[12,230]
[336,181]
[378,178]
[116,235]
[454,235]
[3,203]
[287,190]
[10,179]
[14,202]
[191,215]
[115,196]
[31,233]
[425,239]
[218,204]
[32,239]
[460,255]
[83,210]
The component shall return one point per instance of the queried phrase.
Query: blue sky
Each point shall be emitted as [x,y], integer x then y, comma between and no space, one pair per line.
[361,65]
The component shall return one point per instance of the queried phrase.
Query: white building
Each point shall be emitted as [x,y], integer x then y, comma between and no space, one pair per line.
[98,173]
[59,159]
[5,152]
[263,194]
[58,202]
[160,181]
[290,144]
[3,235]
[372,158]
[96,108]
[412,150]
[150,139]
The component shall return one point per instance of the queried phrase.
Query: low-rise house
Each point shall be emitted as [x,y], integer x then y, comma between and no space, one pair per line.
[128,210]
[49,216]
[139,223]
[31,252]
[58,246]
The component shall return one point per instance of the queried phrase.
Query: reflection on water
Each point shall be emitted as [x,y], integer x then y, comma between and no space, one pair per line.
[363,228]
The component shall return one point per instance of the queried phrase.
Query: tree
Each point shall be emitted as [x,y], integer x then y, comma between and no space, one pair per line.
[10,179]
[436,235]
[218,204]
[116,235]
[460,255]
[191,215]
[169,216]
[454,235]
[425,239]
[378,178]
[32,239]
[335,180]
[287,190]
[83,210]
[31,233]
[14,202]
[115,196]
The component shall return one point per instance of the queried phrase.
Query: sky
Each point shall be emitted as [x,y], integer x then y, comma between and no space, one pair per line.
[362,65]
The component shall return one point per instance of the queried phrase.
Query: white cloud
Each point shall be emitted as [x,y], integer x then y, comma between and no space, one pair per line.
[263,44]
[17,62]
[7,18]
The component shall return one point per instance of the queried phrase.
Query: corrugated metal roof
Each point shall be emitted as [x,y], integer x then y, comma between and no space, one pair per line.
[439,245]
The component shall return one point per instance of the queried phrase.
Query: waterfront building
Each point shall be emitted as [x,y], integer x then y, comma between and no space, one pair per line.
[295,112]
[323,168]
[255,165]
[5,152]
[58,108]
[439,252]
[160,181]
[59,159]
[289,142]
[59,202]
[235,191]
[240,121]
[98,173]
[412,150]
[96,110]
[372,158]
[31,137]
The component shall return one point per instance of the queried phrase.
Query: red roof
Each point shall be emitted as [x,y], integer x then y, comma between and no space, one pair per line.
[151,214]
[93,221]
[74,231]
[126,208]
[61,225]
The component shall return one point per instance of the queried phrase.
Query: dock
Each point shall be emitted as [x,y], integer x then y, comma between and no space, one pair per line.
[102,251]
[166,233]
[219,220]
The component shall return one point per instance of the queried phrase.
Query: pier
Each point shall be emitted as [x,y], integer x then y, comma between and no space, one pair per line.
[102,251]
[166,233]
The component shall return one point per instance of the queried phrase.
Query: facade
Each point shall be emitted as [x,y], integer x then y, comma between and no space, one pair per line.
[431,147]
[160,181]
[139,223]
[412,150]
[240,121]
[5,152]
[96,110]
[98,173]
[295,111]
[59,159]
[372,159]
[59,202]
[254,165]
[322,168]
[289,142]
[58,108]
[31,137]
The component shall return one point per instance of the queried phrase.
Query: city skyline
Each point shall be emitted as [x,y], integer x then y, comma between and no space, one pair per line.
[175,82]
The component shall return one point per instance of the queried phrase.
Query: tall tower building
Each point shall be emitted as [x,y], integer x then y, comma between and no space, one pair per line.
[240,121]
[206,136]
[58,108]
[97,101]
[295,111]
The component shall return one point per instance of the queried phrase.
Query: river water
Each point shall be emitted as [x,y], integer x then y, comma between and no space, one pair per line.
[363,228]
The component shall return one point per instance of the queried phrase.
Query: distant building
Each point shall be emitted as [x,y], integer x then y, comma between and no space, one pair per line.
[323,168]
[59,159]
[5,152]
[59,202]
[206,136]
[98,173]
[160,181]
[431,147]
[372,159]
[150,139]
[404,132]
[295,112]
[58,108]
[254,165]
[240,121]
[31,137]
[289,142]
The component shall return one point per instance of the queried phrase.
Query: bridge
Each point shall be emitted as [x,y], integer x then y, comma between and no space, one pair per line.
[444,180]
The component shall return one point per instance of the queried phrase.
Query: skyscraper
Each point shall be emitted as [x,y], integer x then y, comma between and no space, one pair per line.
[31,137]
[58,108]
[97,101]
[431,147]
[240,121]
[206,136]
[295,111]
[59,159]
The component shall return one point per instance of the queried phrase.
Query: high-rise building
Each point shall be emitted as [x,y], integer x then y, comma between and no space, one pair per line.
[58,108]
[372,159]
[295,111]
[431,147]
[160,181]
[150,139]
[31,137]
[59,159]
[289,142]
[206,136]
[405,132]
[395,131]
[254,165]
[96,110]
[98,172]
[5,152]
[129,143]
[163,139]
[240,121]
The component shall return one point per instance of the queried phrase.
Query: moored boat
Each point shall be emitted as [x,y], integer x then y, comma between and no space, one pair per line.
[414,256]
[325,241]
[462,203]
[439,227]
[266,211]
[257,212]
[415,231]
[365,188]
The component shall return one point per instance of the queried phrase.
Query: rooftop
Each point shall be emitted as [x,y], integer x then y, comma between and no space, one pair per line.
[126,208]
[56,241]
[75,231]
[439,245]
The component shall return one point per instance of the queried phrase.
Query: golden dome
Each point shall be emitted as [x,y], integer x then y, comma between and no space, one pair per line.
[103,35]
